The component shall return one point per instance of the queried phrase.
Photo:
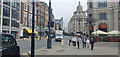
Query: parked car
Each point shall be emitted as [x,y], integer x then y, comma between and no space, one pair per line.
[9,46]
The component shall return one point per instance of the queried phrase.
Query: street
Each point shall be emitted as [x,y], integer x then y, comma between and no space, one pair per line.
[25,44]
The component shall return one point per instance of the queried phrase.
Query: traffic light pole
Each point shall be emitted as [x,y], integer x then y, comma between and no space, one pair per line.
[32,38]
[49,40]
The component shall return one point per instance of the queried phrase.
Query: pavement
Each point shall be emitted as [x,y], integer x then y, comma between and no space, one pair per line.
[69,50]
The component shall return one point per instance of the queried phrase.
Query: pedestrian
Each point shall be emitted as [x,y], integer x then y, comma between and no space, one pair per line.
[78,40]
[92,41]
[74,41]
[84,42]
[88,42]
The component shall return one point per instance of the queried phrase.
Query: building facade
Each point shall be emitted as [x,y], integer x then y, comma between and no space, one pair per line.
[10,17]
[103,15]
[59,23]
[26,17]
[78,21]
[46,15]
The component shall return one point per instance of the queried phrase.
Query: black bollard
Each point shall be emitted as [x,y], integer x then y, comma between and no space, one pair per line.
[69,42]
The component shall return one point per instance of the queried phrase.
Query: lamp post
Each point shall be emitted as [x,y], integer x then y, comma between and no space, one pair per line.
[49,40]
[32,38]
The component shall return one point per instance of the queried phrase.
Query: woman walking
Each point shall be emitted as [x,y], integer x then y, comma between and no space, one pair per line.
[88,42]
[78,40]
[74,41]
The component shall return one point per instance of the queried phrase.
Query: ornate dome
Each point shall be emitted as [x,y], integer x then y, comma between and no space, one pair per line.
[79,7]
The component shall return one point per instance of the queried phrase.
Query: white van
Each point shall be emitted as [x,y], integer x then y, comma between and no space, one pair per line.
[59,35]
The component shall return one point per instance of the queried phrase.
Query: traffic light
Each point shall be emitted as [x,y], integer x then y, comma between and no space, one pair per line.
[51,25]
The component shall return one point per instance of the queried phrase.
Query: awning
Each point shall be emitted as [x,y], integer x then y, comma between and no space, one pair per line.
[29,31]
[102,26]
[114,32]
[99,32]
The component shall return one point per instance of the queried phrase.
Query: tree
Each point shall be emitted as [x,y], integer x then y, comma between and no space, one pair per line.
[60,27]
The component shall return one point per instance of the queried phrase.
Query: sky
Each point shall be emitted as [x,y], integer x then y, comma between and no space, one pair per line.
[65,8]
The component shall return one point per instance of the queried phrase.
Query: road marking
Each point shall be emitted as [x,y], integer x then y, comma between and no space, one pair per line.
[25,55]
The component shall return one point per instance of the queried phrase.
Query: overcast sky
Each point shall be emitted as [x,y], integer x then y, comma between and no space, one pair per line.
[65,8]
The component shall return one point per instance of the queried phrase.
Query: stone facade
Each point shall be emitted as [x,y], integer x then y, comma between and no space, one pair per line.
[111,10]
[78,21]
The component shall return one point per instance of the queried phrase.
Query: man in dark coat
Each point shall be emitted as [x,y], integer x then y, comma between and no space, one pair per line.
[92,41]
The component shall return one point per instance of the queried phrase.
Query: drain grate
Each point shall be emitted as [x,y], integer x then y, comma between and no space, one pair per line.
[59,50]
[44,50]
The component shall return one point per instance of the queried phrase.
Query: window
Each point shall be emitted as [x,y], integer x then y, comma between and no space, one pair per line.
[7,3]
[35,9]
[7,40]
[38,12]
[90,18]
[6,11]
[30,20]
[14,4]
[102,16]
[25,19]
[15,14]
[18,7]
[119,2]
[41,20]
[6,22]
[43,10]
[35,21]
[41,13]
[90,5]
[25,7]
[30,9]
[102,3]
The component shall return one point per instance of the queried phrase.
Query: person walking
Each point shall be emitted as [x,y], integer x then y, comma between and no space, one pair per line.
[84,42]
[88,42]
[78,40]
[74,41]
[92,41]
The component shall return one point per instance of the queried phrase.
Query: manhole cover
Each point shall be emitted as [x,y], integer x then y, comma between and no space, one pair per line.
[59,50]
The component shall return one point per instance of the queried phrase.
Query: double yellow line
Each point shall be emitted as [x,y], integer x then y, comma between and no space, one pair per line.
[26,54]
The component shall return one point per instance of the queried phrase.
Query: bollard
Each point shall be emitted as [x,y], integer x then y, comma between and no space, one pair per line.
[62,42]
[41,37]
[29,37]
[69,42]
[38,37]
[47,37]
